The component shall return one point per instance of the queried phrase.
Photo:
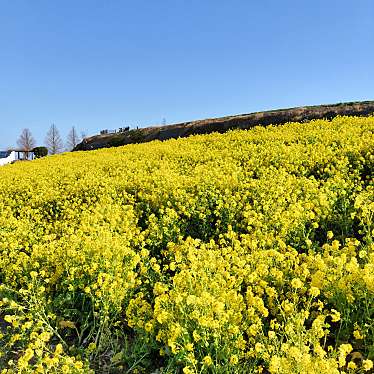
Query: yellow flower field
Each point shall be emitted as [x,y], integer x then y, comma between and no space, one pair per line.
[245,252]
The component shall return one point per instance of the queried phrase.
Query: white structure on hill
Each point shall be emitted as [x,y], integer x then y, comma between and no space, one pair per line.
[7,157]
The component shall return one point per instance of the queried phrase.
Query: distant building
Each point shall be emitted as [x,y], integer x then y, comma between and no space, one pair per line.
[105,132]
[12,155]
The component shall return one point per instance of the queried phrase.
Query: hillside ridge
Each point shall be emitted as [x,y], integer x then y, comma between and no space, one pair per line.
[223,124]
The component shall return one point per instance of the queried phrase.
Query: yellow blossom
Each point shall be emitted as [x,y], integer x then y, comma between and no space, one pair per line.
[296,283]
[367,365]
[335,315]
[207,360]
[234,359]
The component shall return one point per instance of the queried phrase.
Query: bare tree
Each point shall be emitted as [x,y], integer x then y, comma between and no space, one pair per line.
[26,142]
[53,140]
[73,139]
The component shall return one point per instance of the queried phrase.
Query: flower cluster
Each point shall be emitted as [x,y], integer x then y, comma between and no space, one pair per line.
[245,252]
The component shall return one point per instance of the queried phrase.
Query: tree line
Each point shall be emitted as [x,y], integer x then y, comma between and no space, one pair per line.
[53,141]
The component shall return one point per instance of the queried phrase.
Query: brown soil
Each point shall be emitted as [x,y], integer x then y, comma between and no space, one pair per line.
[223,124]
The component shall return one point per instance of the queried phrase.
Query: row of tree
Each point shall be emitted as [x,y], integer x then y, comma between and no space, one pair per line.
[53,140]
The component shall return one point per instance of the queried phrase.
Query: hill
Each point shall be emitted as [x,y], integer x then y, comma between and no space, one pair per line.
[223,124]
[237,253]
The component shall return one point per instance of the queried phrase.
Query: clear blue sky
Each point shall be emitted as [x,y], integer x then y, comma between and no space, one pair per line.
[104,64]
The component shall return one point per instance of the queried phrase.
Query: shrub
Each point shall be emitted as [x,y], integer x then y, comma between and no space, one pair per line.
[40,152]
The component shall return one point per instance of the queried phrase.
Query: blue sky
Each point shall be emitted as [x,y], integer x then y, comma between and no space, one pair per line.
[104,64]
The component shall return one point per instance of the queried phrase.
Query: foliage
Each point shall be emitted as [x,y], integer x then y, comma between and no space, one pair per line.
[250,251]
[136,136]
[117,141]
[40,151]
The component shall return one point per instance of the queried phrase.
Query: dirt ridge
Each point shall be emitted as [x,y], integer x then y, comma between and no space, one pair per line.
[223,124]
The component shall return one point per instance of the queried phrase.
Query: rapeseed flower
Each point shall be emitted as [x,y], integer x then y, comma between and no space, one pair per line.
[246,247]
